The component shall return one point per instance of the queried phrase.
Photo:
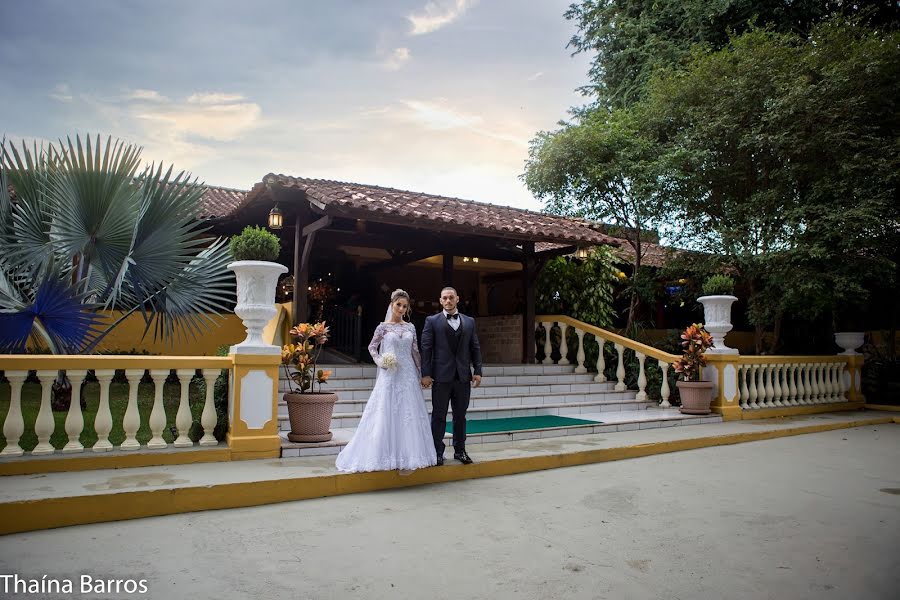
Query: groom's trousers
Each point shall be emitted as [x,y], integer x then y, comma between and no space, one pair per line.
[455,394]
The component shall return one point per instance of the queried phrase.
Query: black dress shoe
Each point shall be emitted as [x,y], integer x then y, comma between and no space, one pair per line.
[463,457]
[440,459]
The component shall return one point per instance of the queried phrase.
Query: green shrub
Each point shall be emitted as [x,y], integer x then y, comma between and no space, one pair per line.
[718,285]
[255,243]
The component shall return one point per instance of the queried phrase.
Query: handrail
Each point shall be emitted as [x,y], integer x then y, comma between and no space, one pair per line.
[26,362]
[610,337]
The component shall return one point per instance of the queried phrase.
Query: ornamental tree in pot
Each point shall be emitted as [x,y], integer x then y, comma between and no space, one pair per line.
[696,395]
[717,299]
[309,411]
[254,252]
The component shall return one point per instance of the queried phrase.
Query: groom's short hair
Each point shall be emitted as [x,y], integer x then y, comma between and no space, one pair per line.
[449,288]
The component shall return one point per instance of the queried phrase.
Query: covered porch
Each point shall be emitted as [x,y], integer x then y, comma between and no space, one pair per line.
[348,246]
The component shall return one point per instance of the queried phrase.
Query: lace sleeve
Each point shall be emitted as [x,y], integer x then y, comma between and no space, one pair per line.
[375,343]
[417,358]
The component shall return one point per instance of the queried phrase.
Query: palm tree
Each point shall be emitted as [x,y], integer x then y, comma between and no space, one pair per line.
[86,229]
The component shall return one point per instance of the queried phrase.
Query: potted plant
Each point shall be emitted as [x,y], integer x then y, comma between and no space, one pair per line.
[309,410]
[254,251]
[717,299]
[696,395]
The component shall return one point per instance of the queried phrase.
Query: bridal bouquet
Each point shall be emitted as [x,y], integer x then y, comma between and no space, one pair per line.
[388,361]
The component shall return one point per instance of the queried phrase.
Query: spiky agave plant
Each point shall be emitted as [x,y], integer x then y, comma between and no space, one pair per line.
[88,230]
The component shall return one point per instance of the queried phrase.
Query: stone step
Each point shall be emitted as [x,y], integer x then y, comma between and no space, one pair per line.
[489,370]
[337,384]
[611,422]
[357,406]
[489,391]
[341,420]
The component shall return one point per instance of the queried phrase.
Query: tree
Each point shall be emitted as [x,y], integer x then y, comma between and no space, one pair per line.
[600,167]
[86,231]
[780,158]
[631,38]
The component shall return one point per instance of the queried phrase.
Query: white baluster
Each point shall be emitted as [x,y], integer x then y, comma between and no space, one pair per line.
[823,387]
[183,418]
[832,382]
[132,421]
[743,373]
[807,384]
[601,361]
[45,424]
[563,345]
[620,370]
[664,390]
[14,425]
[103,421]
[642,378]
[208,418]
[75,418]
[792,386]
[754,395]
[548,347]
[158,414]
[814,382]
[844,382]
[776,385]
[770,391]
[580,356]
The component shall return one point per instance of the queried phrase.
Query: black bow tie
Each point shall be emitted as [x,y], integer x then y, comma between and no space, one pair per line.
[453,316]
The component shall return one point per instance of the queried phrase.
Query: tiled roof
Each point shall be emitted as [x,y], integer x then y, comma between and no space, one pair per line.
[654,255]
[220,201]
[438,211]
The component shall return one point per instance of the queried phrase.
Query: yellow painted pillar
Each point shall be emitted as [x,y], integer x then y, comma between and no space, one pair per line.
[854,370]
[253,407]
[722,369]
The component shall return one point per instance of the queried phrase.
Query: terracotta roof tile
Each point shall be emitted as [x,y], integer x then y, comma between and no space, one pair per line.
[428,208]
[220,201]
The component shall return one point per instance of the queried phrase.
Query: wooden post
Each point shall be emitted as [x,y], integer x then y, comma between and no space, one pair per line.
[299,285]
[448,269]
[529,275]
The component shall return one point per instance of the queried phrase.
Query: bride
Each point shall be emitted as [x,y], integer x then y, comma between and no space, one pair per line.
[394,431]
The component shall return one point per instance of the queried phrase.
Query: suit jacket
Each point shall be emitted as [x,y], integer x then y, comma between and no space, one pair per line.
[447,353]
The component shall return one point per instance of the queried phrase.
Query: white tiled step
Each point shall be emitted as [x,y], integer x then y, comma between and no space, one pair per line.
[342,420]
[354,384]
[611,422]
[361,394]
[489,370]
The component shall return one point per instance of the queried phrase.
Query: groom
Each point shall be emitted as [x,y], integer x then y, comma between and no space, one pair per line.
[449,350]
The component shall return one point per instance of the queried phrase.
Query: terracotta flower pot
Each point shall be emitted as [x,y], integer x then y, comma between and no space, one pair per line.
[310,416]
[696,396]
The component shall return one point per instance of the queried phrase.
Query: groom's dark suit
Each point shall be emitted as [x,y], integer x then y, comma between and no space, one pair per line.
[448,357]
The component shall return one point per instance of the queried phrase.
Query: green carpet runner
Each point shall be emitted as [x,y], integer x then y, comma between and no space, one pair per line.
[519,423]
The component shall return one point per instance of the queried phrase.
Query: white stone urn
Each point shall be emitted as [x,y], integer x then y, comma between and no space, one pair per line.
[256,280]
[849,341]
[717,321]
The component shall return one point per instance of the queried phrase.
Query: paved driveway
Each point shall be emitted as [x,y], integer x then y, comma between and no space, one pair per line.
[813,516]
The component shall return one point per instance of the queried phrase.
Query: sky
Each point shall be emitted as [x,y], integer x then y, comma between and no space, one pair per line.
[439,96]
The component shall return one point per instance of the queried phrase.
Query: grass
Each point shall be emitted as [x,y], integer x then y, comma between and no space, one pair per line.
[118,402]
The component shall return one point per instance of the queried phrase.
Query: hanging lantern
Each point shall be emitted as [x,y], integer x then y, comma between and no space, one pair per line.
[276,218]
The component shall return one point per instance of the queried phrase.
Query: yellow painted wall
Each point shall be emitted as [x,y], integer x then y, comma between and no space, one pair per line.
[227,330]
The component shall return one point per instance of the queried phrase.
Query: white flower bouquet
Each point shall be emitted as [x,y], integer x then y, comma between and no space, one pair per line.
[388,361]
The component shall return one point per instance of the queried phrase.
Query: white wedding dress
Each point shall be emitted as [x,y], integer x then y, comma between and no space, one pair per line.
[395,430]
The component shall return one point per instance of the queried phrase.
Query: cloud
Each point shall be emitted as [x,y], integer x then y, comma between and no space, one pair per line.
[438,116]
[398,58]
[213,98]
[536,76]
[218,122]
[437,14]
[145,96]
[62,93]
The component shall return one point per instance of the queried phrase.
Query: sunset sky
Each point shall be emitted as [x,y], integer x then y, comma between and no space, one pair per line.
[436,97]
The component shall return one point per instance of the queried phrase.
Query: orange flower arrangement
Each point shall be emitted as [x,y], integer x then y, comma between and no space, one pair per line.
[696,341]
[303,355]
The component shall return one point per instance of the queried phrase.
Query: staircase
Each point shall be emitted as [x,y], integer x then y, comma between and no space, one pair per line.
[506,391]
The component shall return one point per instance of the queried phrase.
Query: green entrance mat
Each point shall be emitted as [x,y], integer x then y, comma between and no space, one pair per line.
[519,423]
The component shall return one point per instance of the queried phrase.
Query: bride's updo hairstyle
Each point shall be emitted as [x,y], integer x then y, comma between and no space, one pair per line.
[398,293]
